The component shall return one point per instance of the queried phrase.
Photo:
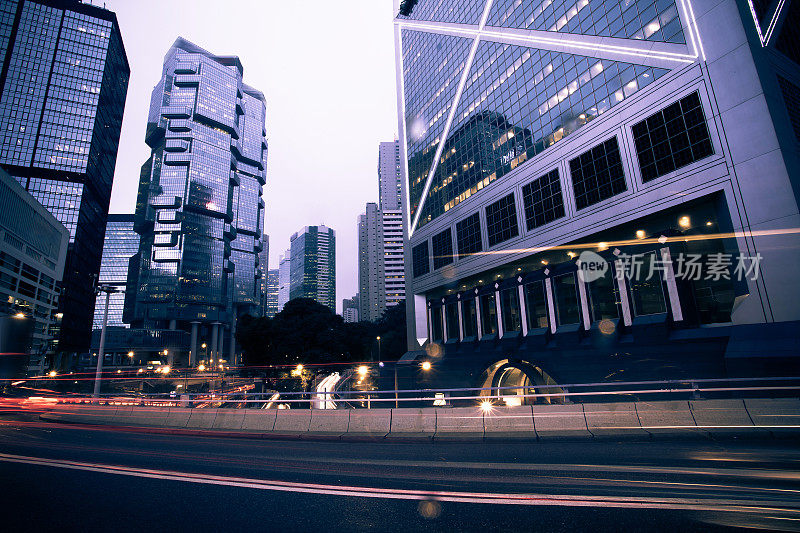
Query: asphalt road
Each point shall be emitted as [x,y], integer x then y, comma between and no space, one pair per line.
[74,478]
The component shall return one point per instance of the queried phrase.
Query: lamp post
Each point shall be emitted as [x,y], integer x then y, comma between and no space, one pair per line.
[379,349]
[109,290]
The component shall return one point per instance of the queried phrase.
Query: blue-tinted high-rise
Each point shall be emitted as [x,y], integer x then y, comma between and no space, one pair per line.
[64,81]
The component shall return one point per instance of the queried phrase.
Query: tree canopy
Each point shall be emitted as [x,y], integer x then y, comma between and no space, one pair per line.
[307,331]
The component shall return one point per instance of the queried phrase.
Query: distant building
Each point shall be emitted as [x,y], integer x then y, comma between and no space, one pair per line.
[199,209]
[381,272]
[313,265]
[350,308]
[273,288]
[121,243]
[64,78]
[263,268]
[284,278]
[33,250]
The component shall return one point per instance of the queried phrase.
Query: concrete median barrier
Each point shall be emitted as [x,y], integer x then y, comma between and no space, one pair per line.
[509,422]
[202,418]
[177,417]
[720,416]
[666,417]
[779,415]
[292,421]
[612,419]
[329,422]
[144,416]
[556,421]
[459,423]
[412,423]
[372,423]
[229,419]
[259,419]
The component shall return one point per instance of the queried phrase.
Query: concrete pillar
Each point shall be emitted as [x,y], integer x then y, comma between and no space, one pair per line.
[460,320]
[478,316]
[233,358]
[584,299]
[444,325]
[193,345]
[551,304]
[499,312]
[672,287]
[523,310]
[624,300]
[212,349]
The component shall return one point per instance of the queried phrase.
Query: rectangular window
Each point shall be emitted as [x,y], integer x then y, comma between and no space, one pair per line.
[469,316]
[451,313]
[536,305]
[597,174]
[542,200]
[509,306]
[420,261]
[672,138]
[603,297]
[501,220]
[442,249]
[468,235]
[647,294]
[488,314]
[436,323]
[566,299]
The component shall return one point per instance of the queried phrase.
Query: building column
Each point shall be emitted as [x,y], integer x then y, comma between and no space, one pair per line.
[444,325]
[523,310]
[672,287]
[582,294]
[233,342]
[478,316]
[624,300]
[193,345]
[460,320]
[551,307]
[499,314]
[212,349]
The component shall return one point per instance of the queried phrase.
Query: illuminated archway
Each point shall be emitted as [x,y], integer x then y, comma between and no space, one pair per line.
[514,381]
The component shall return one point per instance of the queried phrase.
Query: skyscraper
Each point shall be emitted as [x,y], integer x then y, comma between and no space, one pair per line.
[313,265]
[121,243]
[199,209]
[284,278]
[263,268]
[273,287]
[64,80]
[350,309]
[381,271]
[544,142]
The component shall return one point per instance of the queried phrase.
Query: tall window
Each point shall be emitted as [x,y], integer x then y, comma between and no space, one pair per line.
[647,294]
[488,314]
[469,316]
[536,305]
[597,174]
[442,249]
[436,323]
[509,306]
[468,235]
[501,220]
[451,313]
[420,257]
[566,296]
[603,297]
[543,200]
[672,138]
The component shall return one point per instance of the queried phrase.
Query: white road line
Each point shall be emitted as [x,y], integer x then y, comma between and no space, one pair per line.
[401,494]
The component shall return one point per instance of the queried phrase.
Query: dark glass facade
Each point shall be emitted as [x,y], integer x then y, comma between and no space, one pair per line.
[121,243]
[313,265]
[64,81]
[199,209]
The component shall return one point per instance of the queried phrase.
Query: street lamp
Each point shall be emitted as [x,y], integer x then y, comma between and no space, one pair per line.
[426,366]
[109,290]
[379,349]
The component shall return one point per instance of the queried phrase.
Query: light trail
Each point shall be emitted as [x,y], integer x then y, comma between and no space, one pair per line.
[692,504]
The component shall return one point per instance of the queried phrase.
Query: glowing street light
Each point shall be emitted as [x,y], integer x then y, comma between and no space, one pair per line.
[19,315]
[426,366]
[52,373]
[486,406]
[201,367]
[362,370]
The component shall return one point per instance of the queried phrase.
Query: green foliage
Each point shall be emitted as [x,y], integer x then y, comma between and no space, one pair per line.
[308,332]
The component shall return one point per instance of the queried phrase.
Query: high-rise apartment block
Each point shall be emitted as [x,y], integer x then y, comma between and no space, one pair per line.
[313,265]
[273,288]
[63,84]
[350,309]
[199,211]
[284,278]
[381,273]
[600,189]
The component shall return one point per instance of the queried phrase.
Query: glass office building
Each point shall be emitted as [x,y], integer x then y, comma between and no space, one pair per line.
[64,81]
[199,209]
[565,162]
[312,267]
[121,243]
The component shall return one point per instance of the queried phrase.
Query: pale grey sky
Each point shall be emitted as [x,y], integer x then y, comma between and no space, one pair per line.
[326,69]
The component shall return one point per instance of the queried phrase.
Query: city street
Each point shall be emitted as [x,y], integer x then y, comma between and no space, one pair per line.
[73,478]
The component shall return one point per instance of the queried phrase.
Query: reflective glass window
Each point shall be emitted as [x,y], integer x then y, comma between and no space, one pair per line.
[468,234]
[420,259]
[436,323]
[451,313]
[536,305]
[488,314]
[501,220]
[543,200]
[509,307]
[597,174]
[647,294]
[442,244]
[566,299]
[469,317]
[603,297]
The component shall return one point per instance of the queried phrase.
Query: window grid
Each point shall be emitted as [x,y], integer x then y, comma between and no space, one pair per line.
[597,174]
[468,235]
[501,220]
[542,200]
[672,138]
[420,261]
[442,244]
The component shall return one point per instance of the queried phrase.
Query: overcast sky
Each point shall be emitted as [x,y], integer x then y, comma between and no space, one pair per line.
[327,71]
